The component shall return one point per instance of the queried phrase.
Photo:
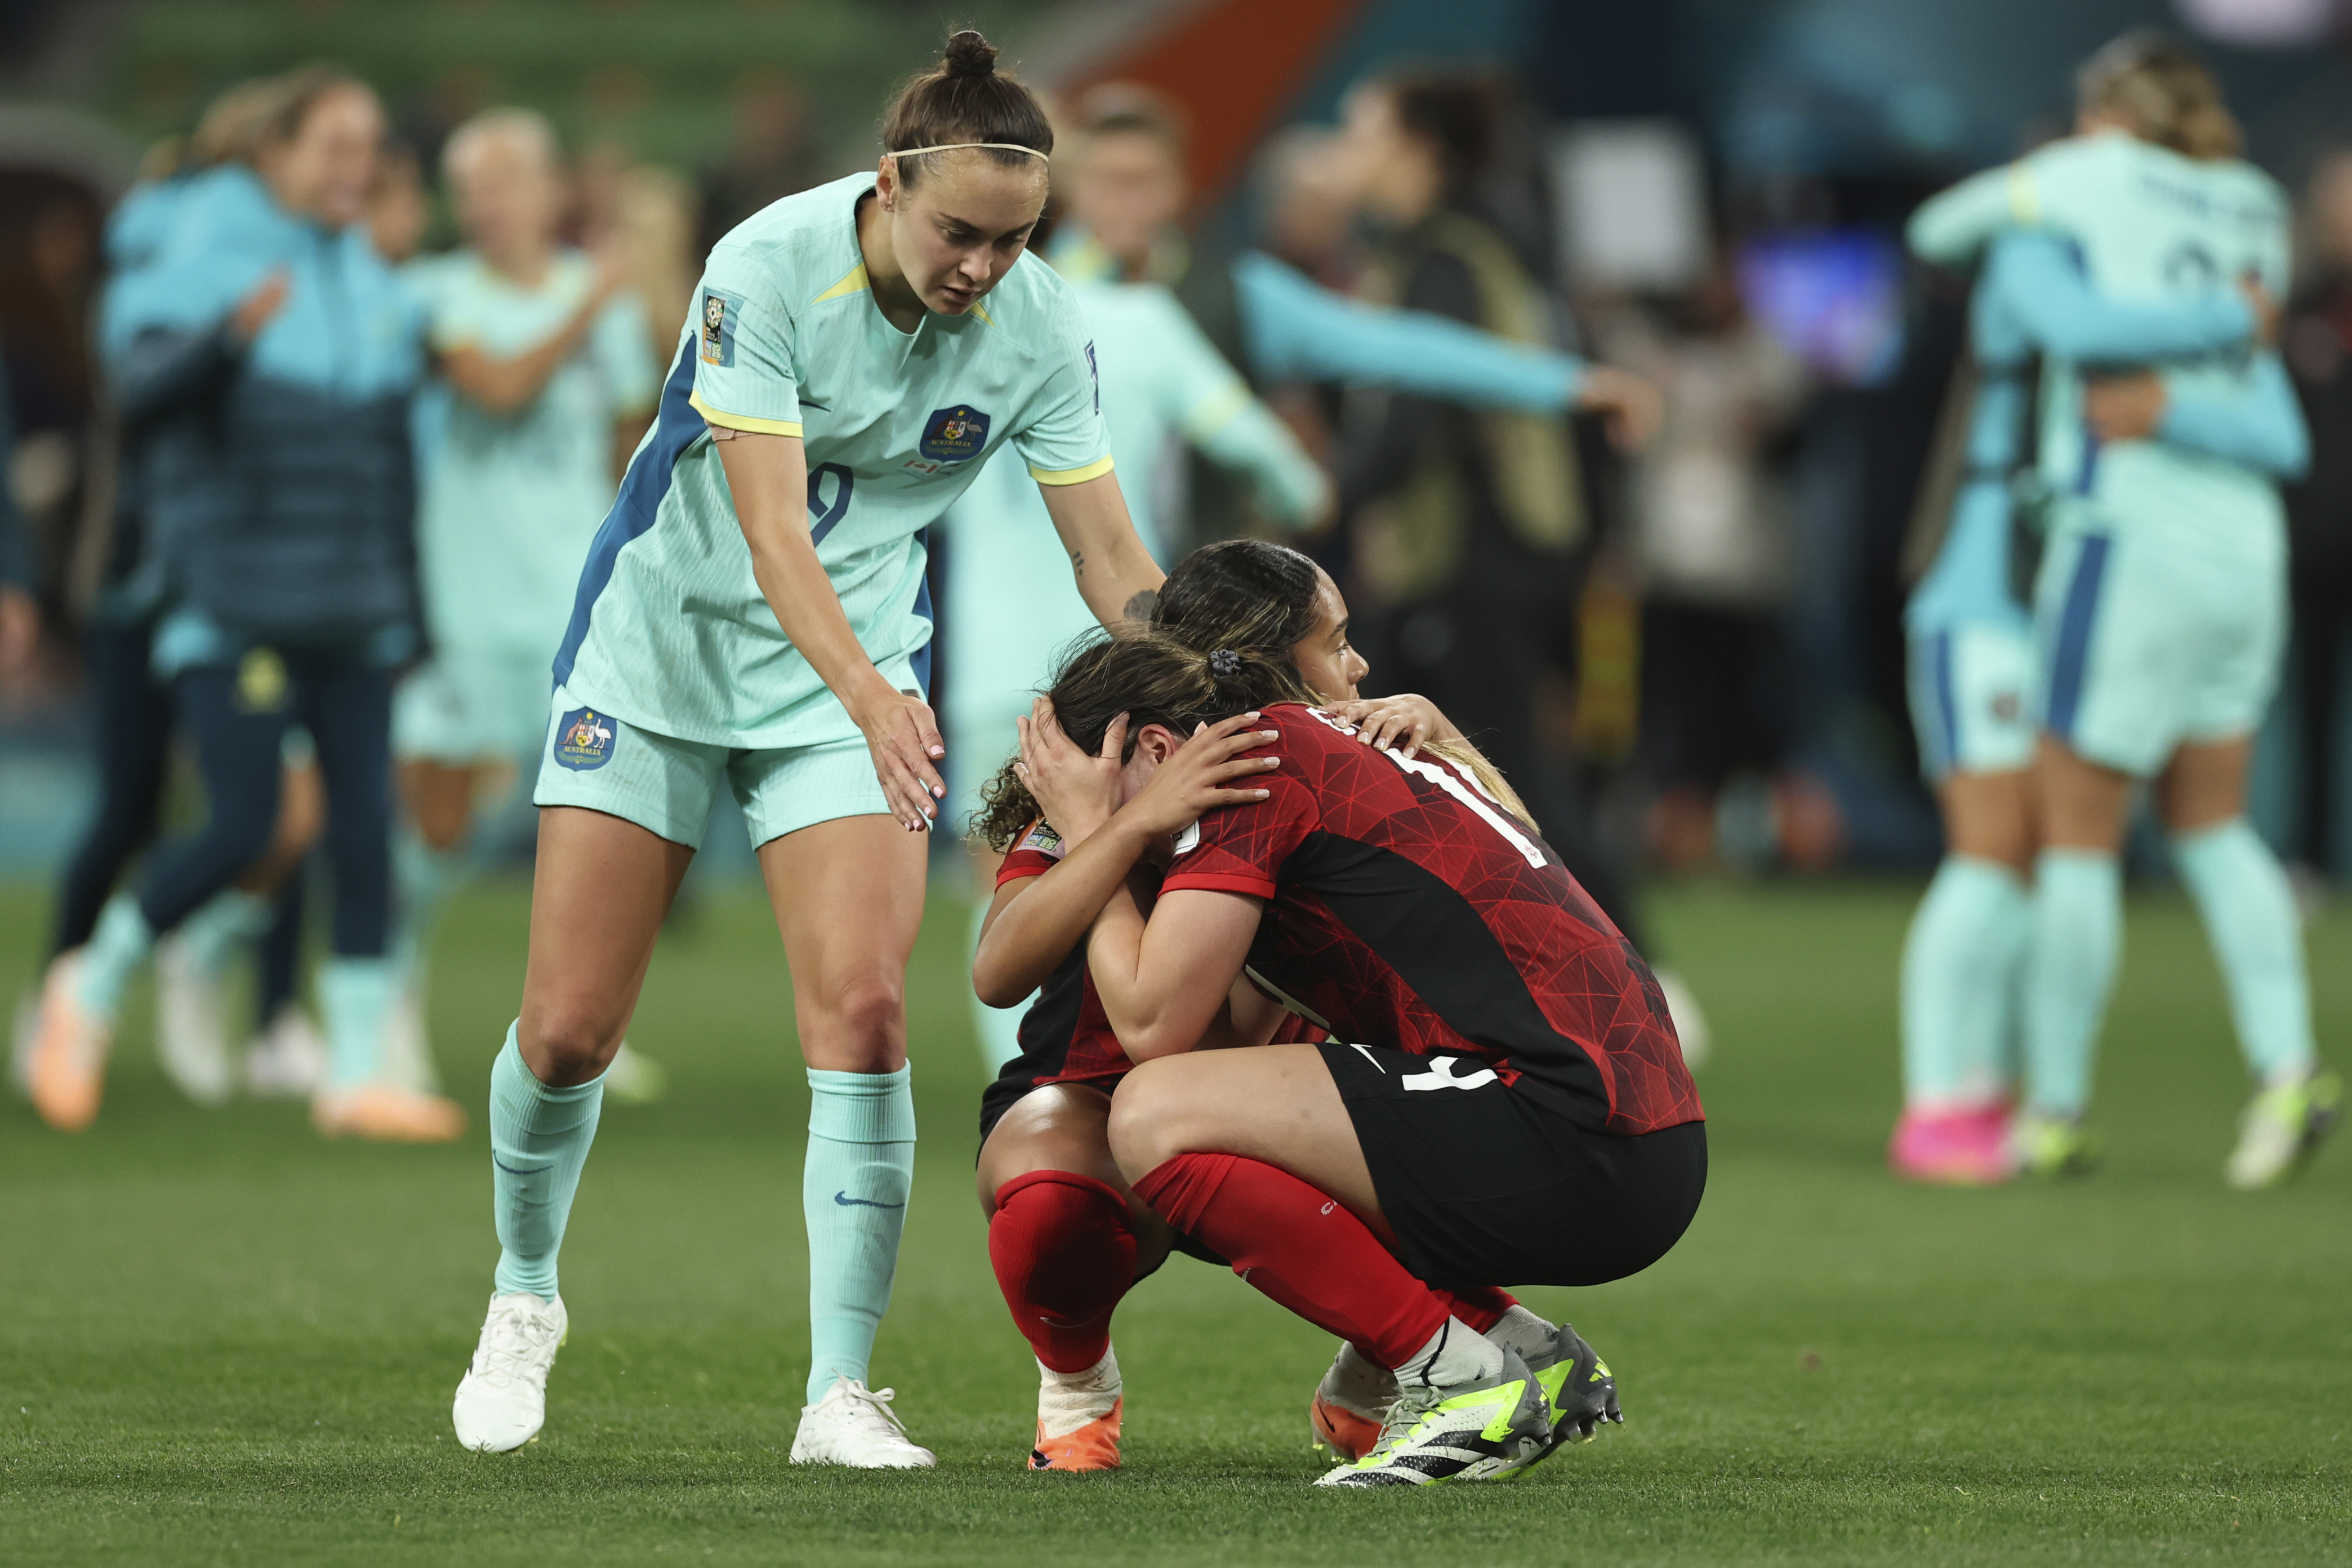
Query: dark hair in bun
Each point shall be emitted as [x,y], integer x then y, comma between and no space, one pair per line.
[965,99]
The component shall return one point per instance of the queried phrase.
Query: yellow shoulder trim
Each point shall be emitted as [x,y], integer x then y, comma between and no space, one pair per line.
[1093,470]
[981,312]
[854,282]
[2024,201]
[742,421]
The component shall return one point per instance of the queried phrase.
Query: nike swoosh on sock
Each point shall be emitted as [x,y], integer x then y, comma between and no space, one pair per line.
[845,1201]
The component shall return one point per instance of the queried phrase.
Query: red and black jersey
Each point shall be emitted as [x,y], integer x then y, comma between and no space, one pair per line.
[1065,1037]
[1406,909]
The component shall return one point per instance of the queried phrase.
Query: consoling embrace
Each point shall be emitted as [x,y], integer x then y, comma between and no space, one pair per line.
[1456,1071]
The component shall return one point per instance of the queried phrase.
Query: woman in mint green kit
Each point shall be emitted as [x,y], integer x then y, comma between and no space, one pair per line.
[2160,607]
[754,610]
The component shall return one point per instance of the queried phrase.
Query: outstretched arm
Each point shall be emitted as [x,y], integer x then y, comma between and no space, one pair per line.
[1295,329]
[2042,286]
[1115,574]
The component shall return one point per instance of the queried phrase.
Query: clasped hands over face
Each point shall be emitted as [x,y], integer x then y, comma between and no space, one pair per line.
[1080,793]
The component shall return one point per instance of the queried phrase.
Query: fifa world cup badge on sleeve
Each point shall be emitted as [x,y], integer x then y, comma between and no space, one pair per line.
[953,435]
[718,313]
[583,740]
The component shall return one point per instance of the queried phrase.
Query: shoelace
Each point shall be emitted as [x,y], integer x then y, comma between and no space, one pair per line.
[511,1338]
[1404,1414]
[873,1404]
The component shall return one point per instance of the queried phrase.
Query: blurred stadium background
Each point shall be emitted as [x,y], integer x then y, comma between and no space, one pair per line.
[221,1340]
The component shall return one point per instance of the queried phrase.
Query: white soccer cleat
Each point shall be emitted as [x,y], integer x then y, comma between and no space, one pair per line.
[2280,1129]
[1690,1027]
[288,1060]
[407,1049]
[854,1425]
[192,1025]
[502,1401]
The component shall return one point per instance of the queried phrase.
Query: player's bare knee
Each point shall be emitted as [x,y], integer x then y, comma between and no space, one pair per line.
[1146,1128]
[568,1047]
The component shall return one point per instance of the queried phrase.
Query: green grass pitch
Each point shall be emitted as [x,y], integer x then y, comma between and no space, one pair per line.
[223,1340]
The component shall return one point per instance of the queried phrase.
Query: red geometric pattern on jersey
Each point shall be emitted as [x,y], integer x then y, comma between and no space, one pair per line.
[1369,861]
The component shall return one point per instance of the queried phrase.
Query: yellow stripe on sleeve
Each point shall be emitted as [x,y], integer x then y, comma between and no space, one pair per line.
[1093,470]
[2024,201]
[742,421]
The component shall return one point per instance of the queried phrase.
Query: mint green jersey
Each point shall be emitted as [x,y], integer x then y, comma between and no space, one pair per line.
[508,502]
[1164,388]
[2149,224]
[669,630]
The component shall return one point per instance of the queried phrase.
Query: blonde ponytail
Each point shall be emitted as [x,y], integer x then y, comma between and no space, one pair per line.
[2163,92]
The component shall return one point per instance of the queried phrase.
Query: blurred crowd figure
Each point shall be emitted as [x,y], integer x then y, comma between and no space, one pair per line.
[2317,345]
[218,442]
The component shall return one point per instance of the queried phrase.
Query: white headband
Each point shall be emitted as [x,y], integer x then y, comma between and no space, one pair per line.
[958,146]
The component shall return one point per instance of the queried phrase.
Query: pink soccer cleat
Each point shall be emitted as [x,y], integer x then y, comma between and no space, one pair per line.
[1952,1148]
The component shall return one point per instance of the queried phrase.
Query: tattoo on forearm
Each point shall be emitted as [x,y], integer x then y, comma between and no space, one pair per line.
[1142,606]
[1077,562]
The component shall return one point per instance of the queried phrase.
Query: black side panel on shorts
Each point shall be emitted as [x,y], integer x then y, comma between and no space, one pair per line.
[1438,944]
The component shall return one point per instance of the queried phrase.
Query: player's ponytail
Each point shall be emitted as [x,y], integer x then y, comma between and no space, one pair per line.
[2163,92]
[966,104]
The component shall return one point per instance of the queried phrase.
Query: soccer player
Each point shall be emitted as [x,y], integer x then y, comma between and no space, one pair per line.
[280,503]
[2158,606]
[545,382]
[1971,673]
[1443,948]
[1062,1252]
[754,610]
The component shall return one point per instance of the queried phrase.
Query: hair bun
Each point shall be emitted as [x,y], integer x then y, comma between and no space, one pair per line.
[1224,664]
[969,54]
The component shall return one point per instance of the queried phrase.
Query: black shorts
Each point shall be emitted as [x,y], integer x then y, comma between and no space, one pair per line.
[1487,1185]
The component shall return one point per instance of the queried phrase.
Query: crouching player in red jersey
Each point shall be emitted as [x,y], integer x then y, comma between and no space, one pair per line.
[1501,1097]
[1064,1251]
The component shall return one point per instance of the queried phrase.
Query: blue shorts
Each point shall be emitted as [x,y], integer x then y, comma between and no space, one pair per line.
[1971,686]
[666,785]
[2144,644]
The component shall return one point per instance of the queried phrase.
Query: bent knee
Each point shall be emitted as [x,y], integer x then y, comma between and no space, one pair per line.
[1146,1124]
[568,1047]
[864,1020]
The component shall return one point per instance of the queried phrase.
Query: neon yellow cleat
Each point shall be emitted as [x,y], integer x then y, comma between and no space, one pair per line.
[1459,1433]
[2282,1128]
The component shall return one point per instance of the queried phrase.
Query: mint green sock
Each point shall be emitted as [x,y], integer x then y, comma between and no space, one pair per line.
[356,995]
[116,950]
[2078,940]
[423,878]
[1960,982]
[538,1142]
[854,1192]
[231,916]
[998,1029]
[2248,908]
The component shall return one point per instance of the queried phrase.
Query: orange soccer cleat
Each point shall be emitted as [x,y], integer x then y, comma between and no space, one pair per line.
[1092,1446]
[387,1113]
[1348,1435]
[67,1076]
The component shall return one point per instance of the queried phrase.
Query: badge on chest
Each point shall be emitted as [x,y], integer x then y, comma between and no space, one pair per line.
[953,435]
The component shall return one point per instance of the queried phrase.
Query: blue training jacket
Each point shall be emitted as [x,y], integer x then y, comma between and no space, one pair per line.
[279,493]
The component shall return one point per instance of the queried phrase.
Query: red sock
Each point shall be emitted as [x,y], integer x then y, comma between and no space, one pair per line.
[1300,1248]
[1064,1256]
[1480,1306]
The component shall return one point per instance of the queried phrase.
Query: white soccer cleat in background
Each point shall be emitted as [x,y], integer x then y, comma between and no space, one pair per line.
[502,1401]
[288,1060]
[192,1025]
[1691,1028]
[854,1425]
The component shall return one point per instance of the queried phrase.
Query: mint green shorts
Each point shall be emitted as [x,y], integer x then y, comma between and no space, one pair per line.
[2143,644]
[666,785]
[471,708]
[1972,693]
